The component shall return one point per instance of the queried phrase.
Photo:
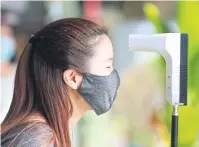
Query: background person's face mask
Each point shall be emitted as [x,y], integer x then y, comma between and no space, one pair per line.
[100,91]
[7,49]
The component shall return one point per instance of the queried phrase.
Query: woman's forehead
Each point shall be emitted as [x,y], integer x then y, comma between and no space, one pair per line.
[103,49]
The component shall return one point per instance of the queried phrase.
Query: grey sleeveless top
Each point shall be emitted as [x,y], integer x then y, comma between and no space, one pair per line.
[28,135]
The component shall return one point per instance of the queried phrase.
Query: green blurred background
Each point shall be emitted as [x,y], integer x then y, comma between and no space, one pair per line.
[140,116]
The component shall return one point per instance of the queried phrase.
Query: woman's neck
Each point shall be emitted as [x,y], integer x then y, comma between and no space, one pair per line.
[77,114]
[79,107]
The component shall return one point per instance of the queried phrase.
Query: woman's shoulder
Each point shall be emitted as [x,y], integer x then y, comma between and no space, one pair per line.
[28,135]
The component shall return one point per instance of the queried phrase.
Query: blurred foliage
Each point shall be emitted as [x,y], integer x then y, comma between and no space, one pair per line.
[188,22]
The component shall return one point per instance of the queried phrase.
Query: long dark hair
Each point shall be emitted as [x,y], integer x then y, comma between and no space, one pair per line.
[39,87]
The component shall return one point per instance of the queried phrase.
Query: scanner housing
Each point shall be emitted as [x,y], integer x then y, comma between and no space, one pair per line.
[174,48]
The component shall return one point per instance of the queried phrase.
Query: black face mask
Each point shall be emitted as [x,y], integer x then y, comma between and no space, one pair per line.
[100,91]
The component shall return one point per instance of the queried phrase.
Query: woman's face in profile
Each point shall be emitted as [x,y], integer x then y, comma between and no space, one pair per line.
[95,90]
[102,62]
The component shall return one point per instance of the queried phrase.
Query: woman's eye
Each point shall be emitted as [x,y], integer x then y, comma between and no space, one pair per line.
[108,67]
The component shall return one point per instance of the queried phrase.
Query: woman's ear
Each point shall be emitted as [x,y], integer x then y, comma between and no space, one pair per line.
[72,78]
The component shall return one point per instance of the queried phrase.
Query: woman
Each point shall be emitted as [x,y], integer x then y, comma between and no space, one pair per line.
[65,70]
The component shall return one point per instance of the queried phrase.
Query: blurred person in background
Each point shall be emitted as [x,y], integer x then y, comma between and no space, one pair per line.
[65,70]
[8,46]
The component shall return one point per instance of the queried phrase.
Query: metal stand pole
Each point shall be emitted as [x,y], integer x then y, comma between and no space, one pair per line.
[174,127]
